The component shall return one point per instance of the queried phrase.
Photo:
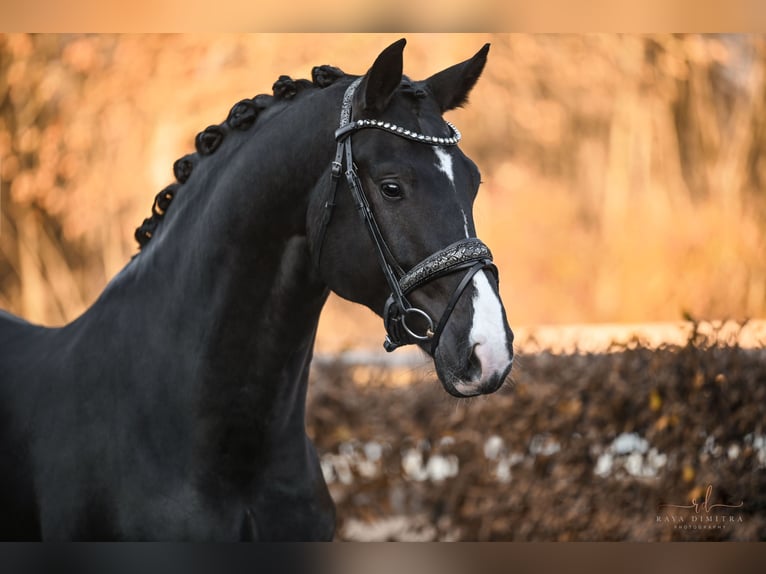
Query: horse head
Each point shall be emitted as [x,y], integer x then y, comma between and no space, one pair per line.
[413,257]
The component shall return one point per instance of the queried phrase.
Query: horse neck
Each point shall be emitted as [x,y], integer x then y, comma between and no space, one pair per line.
[225,297]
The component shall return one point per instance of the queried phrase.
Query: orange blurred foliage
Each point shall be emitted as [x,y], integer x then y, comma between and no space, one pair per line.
[623,175]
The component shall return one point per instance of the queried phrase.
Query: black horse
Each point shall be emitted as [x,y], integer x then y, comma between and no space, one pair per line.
[173,408]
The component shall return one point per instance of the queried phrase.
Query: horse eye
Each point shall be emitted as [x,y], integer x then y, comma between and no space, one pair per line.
[391,190]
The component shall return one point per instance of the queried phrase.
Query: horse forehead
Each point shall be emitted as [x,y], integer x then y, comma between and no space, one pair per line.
[433,164]
[445,164]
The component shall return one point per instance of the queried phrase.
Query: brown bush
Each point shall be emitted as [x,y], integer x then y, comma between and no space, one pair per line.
[582,447]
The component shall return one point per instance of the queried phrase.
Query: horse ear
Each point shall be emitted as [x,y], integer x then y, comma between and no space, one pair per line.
[451,87]
[383,78]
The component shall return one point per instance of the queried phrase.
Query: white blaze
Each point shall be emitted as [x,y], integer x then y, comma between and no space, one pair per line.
[445,166]
[487,331]
[465,224]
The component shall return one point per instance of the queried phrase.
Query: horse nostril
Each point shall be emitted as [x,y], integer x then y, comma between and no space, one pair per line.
[473,369]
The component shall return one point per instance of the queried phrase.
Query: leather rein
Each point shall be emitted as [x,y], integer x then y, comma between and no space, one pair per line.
[469,254]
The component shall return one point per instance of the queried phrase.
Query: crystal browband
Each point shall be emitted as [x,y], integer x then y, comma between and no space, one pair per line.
[345,130]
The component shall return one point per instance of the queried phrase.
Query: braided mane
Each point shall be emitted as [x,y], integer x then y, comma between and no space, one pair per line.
[242,116]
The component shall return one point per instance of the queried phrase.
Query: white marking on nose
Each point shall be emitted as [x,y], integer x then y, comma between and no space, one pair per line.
[465,224]
[445,166]
[488,331]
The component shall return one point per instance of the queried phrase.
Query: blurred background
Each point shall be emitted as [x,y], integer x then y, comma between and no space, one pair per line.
[623,175]
[623,182]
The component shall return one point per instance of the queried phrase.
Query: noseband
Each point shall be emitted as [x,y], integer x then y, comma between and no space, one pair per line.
[470,255]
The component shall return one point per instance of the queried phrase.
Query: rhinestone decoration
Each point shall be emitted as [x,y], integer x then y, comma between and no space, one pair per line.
[345,122]
[409,134]
[471,249]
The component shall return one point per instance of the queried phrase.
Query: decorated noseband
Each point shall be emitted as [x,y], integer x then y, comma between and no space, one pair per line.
[404,323]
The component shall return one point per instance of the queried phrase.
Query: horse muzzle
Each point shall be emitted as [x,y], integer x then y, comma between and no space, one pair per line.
[407,325]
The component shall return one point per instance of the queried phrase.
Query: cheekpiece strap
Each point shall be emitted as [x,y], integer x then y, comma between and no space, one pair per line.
[345,118]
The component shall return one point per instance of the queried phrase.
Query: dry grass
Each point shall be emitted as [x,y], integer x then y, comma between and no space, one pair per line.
[585,447]
[623,175]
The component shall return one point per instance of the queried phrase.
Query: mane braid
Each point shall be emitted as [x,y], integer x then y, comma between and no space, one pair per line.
[242,117]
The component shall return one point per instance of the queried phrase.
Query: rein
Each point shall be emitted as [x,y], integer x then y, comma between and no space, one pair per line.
[468,254]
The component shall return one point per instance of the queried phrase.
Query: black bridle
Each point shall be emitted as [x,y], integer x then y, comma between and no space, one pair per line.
[469,255]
